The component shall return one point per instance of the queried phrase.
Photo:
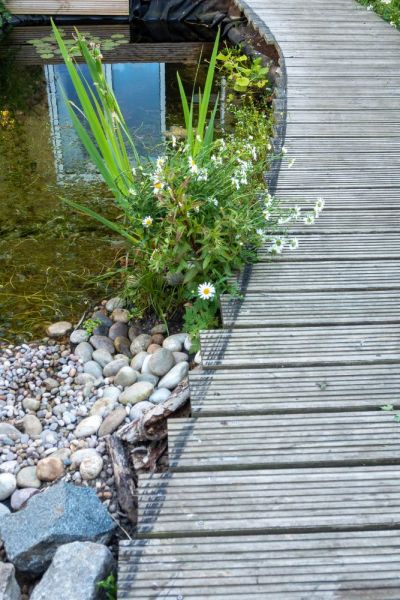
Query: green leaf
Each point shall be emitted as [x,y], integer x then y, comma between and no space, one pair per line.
[387,407]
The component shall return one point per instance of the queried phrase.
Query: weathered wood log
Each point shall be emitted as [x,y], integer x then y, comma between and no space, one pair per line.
[153,424]
[125,477]
[146,458]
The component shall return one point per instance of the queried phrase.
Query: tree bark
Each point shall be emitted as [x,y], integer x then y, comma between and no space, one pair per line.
[125,478]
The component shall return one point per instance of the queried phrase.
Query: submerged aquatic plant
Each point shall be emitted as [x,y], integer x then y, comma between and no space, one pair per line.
[193,216]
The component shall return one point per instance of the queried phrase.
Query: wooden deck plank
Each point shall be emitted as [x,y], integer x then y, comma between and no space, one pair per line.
[312,346]
[316,276]
[265,309]
[275,500]
[282,441]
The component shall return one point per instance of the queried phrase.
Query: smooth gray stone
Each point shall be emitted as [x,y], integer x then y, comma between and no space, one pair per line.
[140,343]
[20,497]
[115,302]
[104,320]
[62,514]
[27,478]
[78,336]
[112,421]
[153,379]
[93,368]
[9,588]
[59,329]
[175,376]
[111,392]
[4,510]
[103,357]
[161,362]
[160,395]
[103,342]
[126,376]
[9,431]
[74,573]
[118,330]
[114,366]
[136,393]
[84,351]
[138,360]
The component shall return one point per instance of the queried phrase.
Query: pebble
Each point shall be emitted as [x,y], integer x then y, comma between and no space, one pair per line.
[101,316]
[136,392]
[32,426]
[91,466]
[157,338]
[102,406]
[137,361]
[8,430]
[159,328]
[88,426]
[114,366]
[102,342]
[149,377]
[112,421]
[9,466]
[160,395]
[180,357]
[59,329]
[140,343]
[103,357]
[116,302]
[51,383]
[145,366]
[8,483]
[197,358]
[49,437]
[50,468]
[120,315]
[84,351]
[20,497]
[161,362]
[175,376]
[126,376]
[118,330]
[111,392]
[78,336]
[4,510]
[27,478]
[78,456]
[188,344]
[93,368]
[153,348]
[174,342]
[31,404]
[122,345]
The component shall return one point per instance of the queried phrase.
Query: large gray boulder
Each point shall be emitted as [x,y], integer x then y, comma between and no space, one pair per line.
[74,573]
[62,514]
[9,588]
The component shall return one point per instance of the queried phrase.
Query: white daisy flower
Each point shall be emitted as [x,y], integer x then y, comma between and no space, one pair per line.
[173,141]
[235,182]
[217,160]
[214,201]
[284,220]
[268,200]
[291,163]
[206,291]
[192,165]
[202,175]
[267,215]
[147,221]
[296,212]
[293,244]
[319,205]
[260,232]
[157,187]
[133,171]
[254,153]
[132,192]
[284,151]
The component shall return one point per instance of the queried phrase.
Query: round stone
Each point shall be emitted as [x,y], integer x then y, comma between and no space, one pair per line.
[32,426]
[153,348]
[103,342]
[8,483]
[27,478]
[144,406]
[180,357]
[93,368]
[114,303]
[138,360]
[140,343]
[118,330]
[188,344]
[63,454]
[197,358]
[175,376]
[9,431]
[21,497]
[78,456]
[159,328]
[59,329]
[145,366]
[84,378]
[120,315]
[31,404]
[149,377]
[4,510]
[102,318]
[157,338]
[161,362]
[103,357]
[91,466]
[175,342]
[112,421]
[126,376]
[49,437]
[122,345]
[88,426]
[111,392]
[84,351]
[160,395]
[114,366]
[102,406]
[136,392]
[78,336]
[50,468]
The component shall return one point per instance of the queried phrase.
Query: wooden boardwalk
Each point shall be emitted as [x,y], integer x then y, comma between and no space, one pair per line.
[285,483]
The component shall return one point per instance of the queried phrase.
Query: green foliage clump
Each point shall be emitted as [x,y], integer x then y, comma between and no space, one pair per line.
[47,46]
[109,585]
[244,74]
[193,216]
[90,325]
[4,14]
[389,10]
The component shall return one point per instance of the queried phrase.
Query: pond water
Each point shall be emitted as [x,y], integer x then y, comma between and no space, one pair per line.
[49,256]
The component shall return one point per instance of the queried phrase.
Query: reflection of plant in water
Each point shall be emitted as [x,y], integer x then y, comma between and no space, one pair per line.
[47,46]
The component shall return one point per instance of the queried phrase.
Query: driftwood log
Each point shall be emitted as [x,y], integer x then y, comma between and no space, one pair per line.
[153,424]
[124,476]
